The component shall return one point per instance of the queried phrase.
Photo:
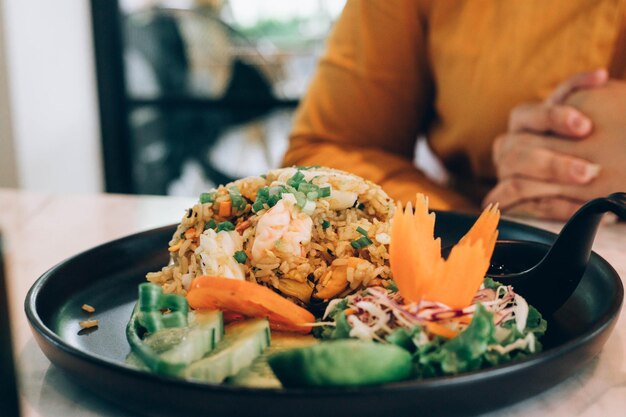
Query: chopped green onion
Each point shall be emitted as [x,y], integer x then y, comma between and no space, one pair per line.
[273,200]
[361,206]
[225,226]
[235,196]
[262,197]
[297,178]
[309,207]
[258,205]
[313,195]
[361,231]
[300,199]
[240,256]
[360,243]
[306,167]
[263,193]
[324,192]
[276,190]
[211,224]
[325,224]
[307,187]
[207,197]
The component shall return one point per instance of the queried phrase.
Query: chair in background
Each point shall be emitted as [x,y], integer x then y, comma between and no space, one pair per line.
[183,116]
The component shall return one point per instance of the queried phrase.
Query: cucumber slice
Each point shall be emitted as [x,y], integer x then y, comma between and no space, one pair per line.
[169,351]
[135,361]
[166,339]
[205,330]
[243,342]
[259,374]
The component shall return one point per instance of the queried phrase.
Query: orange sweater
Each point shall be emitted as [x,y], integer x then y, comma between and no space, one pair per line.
[448,69]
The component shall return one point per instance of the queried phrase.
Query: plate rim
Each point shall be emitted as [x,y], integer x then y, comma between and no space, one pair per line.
[37,325]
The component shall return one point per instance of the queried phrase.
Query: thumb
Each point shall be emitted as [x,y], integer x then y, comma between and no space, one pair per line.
[589,79]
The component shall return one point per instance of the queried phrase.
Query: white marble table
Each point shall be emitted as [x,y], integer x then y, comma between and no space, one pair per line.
[41,230]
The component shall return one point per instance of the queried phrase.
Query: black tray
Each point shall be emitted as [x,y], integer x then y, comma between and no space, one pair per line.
[106,277]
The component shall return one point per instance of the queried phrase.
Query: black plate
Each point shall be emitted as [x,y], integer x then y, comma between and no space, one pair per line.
[107,277]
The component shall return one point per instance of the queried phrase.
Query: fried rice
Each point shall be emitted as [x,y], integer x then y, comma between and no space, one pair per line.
[307,232]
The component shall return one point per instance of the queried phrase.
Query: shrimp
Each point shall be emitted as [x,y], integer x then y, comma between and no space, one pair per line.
[341,200]
[216,253]
[281,230]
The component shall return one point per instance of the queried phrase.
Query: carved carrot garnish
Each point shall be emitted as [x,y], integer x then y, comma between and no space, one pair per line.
[416,263]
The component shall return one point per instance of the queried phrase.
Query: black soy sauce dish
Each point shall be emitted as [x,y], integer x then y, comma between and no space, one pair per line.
[107,277]
[546,276]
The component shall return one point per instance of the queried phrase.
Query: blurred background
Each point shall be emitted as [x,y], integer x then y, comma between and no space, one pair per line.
[151,97]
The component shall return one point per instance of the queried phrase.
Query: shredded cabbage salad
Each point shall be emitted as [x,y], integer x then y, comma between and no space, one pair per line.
[497,327]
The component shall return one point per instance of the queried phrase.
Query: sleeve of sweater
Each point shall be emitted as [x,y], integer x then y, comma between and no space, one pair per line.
[369,100]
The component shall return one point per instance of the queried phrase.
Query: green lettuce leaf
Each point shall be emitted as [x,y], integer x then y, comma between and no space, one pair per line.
[391,286]
[491,284]
[464,352]
[535,322]
[341,329]
[405,338]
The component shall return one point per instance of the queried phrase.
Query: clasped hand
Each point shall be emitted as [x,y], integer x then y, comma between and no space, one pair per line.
[563,151]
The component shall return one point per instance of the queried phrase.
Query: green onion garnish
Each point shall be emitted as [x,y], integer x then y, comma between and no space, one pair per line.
[240,256]
[307,187]
[258,205]
[361,242]
[275,194]
[300,199]
[262,197]
[235,196]
[297,178]
[273,200]
[325,224]
[211,224]
[361,206]
[361,231]
[207,197]
[324,192]
[263,193]
[225,226]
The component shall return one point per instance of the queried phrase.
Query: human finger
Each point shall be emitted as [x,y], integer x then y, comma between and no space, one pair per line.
[512,191]
[541,118]
[546,208]
[540,163]
[577,81]
[609,218]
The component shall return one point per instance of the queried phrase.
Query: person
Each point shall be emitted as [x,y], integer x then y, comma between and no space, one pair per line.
[523,102]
